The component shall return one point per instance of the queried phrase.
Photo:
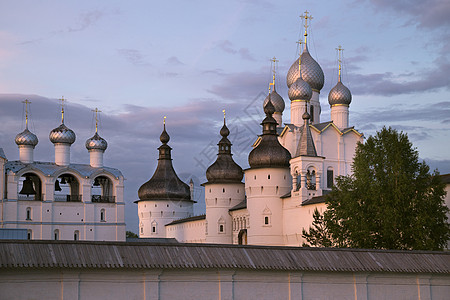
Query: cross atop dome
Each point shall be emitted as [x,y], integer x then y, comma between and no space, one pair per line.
[26,102]
[306,17]
[96,118]
[340,50]
[62,108]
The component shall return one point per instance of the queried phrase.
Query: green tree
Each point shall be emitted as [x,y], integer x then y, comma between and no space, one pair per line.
[318,234]
[391,201]
[131,234]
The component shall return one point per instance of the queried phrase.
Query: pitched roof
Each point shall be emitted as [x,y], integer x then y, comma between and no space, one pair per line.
[240,205]
[123,255]
[188,219]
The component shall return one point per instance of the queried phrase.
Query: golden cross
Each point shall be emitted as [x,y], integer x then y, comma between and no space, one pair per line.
[274,60]
[96,118]
[26,112]
[306,17]
[340,50]
[223,115]
[62,108]
[300,55]
[164,121]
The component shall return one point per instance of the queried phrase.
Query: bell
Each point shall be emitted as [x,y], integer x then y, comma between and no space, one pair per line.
[57,187]
[27,187]
[96,183]
[63,180]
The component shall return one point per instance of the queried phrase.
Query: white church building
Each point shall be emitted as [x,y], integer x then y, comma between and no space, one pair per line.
[292,167]
[61,200]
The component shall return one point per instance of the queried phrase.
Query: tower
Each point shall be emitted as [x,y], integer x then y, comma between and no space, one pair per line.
[267,179]
[223,190]
[312,74]
[26,140]
[96,146]
[62,137]
[339,99]
[164,198]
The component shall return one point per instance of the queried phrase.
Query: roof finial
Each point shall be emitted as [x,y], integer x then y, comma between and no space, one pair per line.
[274,61]
[26,112]
[164,122]
[62,109]
[224,116]
[340,50]
[306,17]
[96,118]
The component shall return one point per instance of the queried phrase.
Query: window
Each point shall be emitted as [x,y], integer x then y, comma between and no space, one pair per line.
[266,220]
[28,213]
[142,229]
[312,113]
[221,225]
[76,235]
[153,229]
[29,234]
[221,228]
[56,234]
[330,177]
[268,176]
[102,216]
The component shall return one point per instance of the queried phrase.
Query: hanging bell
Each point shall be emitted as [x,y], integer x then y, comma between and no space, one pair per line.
[57,187]
[63,180]
[27,187]
[96,183]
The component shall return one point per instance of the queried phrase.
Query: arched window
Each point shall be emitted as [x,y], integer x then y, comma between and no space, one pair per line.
[221,228]
[330,178]
[76,235]
[154,227]
[267,217]
[221,225]
[28,214]
[67,189]
[102,190]
[311,179]
[29,234]
[102,215]
[56,234]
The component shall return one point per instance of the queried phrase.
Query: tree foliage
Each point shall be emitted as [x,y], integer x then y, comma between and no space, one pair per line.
[131,234]
[391,201]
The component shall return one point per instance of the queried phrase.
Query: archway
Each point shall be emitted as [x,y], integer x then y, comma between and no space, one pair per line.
[67,189]
[242,237]
[102,190]
[29,187]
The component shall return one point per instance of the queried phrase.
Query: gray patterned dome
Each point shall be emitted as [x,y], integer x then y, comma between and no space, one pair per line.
[269,153]
[62,135]
[311,72]
[340,94]
[276,100]
[96,143]
[300,90]
[224,169]
[26,137]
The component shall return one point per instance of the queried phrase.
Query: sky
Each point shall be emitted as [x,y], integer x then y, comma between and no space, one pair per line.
[138,61]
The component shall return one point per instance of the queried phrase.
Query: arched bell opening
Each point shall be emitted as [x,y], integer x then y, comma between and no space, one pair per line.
[242,237]
[30,187]
[311,179]
[102,190]
[67,189]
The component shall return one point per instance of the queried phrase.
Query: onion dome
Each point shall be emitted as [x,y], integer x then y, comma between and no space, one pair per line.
[311,71]
[164,184]
[224,169]
[277,101]
[26,137]
[339,94]
[96,143]
[300,90]
[269,153]
[62,135]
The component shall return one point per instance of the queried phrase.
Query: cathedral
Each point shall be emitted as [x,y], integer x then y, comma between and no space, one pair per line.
[61,200]
[292,166]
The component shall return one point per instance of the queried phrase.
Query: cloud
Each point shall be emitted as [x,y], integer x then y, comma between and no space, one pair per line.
[430,13]
[133,56]
[227,47]
[174,61]
[86,20]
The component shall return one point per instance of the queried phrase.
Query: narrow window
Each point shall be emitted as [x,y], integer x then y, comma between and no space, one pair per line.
[221,228]
[223,190]
[330,177]
[102,215]
[29,234]
[268,176]
[266,220]
[312,113]
[142,229]
[29,213]
[56,235]
[153,228]
[76,235]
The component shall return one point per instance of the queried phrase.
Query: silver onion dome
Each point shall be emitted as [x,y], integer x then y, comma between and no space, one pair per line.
[26,137]
[277,101]
[339,94]
[300,90]
[311,72]
[96,143]
[62,135]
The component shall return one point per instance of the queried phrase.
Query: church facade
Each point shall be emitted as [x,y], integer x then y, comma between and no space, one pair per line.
[292,167]
[61,200]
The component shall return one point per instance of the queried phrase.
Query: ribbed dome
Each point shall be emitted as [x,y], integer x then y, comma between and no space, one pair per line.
[62,135]
[26,137]
[224,169]
[96,143]
[300,90]
[311,72]
[269,153]
[339,94]
[164,184]
[277,101]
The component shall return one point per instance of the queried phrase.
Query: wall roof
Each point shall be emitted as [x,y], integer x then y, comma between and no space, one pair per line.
[122,255]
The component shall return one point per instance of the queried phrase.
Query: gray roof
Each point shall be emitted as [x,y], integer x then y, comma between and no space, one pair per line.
[321,126]
[48,168]
[188,219]
[306,145]
[240,205]
[122,255]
